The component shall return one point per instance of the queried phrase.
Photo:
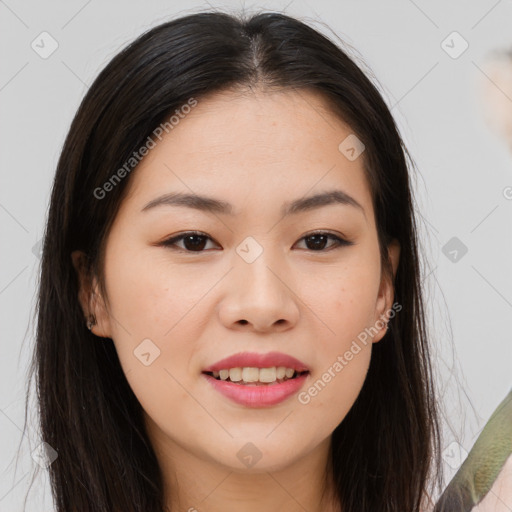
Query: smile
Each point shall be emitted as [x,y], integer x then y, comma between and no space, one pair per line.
[255,393]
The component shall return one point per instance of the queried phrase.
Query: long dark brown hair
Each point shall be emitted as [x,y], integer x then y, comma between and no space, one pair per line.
[385,453]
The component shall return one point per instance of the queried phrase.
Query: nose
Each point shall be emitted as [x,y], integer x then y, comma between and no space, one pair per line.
[260,298]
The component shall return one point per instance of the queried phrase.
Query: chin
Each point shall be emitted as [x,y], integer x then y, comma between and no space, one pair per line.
[260,456]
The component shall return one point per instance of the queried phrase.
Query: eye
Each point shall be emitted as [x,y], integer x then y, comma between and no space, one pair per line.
[195,241]
[319,238]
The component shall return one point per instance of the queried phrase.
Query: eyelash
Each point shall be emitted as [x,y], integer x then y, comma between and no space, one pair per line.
[170,243]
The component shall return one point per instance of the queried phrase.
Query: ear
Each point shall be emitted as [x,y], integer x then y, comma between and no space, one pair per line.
[386,292]
[90,298]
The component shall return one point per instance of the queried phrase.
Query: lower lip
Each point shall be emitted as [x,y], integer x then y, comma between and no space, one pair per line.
[258,396]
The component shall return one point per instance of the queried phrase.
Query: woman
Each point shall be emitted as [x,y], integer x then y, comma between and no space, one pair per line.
[230,311]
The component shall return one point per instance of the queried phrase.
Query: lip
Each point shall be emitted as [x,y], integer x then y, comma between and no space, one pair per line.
[255,360]
[258,396]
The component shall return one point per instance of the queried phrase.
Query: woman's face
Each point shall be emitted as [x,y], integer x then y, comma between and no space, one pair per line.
[256,281]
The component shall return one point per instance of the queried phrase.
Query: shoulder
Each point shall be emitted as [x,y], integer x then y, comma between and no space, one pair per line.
[499,498]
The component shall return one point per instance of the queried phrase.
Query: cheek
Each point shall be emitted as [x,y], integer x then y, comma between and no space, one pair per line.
[151,295]
[343,354]
[152,307]
[344,296]
[344,301]
[152,304]
[333,391]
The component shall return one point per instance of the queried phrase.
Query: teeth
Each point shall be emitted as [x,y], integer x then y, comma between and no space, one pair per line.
[235,374]
[252,374]
[268,374]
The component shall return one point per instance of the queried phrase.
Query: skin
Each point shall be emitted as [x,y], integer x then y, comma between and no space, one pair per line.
[481,481]
[257,151]
[499,498]
[495,93]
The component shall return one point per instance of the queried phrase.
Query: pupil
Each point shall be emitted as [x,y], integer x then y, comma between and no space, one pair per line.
[196,246]
[315,239]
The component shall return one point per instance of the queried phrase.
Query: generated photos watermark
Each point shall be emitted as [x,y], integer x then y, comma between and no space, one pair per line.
[363,337]
[149,144]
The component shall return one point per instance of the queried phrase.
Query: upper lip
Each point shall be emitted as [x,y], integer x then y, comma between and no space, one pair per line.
[255,360]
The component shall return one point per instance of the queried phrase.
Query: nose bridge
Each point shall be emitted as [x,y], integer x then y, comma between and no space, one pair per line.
[257,266]
[262,297]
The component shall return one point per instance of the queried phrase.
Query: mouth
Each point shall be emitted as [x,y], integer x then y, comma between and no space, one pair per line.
[246,385]
[257,380]
[253,376]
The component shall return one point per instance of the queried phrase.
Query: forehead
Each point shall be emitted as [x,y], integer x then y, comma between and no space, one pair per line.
[252,148]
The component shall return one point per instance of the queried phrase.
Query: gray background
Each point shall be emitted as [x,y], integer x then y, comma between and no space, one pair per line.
[463,171]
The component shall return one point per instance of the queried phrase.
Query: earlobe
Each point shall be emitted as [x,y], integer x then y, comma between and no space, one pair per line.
[96,318]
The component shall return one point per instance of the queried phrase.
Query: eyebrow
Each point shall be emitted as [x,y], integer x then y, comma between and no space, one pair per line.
[213,205]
